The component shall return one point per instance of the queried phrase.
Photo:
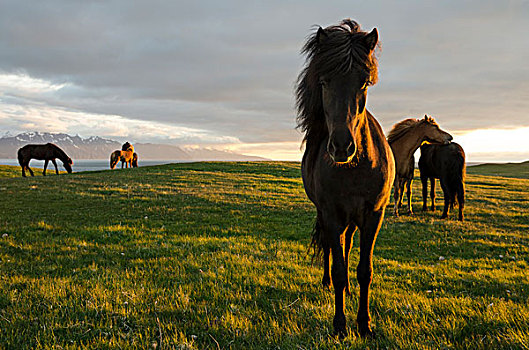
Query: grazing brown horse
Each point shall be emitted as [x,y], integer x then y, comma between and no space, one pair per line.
[404,139]
[347,167]
[44,152]
[446,163]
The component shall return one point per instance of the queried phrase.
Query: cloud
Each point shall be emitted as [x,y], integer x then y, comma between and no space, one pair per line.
[226,70]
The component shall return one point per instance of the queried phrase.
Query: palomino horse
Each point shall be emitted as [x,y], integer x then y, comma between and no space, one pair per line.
[125,155]
[405,138]
[45,152]
[446,163]
[347,168]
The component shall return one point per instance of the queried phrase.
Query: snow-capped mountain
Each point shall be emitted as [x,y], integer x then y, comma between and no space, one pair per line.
[96,147]
[74,146]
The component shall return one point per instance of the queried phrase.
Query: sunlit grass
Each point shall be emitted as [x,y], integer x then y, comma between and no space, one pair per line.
[214,255]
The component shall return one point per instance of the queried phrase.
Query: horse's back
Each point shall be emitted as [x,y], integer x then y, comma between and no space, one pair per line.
[437,159]
[36,151]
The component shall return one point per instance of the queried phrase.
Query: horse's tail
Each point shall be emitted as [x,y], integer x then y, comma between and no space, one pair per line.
[20,157]
[317,240]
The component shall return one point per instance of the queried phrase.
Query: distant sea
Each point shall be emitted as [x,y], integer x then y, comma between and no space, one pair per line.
[87,164]
[102,164]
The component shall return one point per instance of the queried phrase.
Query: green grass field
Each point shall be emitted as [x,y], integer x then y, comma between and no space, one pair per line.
[214,256]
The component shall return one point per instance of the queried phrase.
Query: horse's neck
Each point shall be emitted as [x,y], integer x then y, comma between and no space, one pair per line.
[405,146]
[366,132]
[59,153]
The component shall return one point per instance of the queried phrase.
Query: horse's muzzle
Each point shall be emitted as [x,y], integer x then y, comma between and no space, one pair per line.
[341,153]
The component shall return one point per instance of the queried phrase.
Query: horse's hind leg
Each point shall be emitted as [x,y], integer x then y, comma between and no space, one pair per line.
[318,232]
[55,164]
[408,193]
[326,280]
[447,196]
[364,271]
[45,167]
[461,200]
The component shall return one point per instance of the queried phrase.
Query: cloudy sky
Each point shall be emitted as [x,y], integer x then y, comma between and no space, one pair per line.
[222,73]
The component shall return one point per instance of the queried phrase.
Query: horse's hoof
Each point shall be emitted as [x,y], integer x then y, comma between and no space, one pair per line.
[348,291]
[339,326]
[367,334]
[444,216]
[340,333]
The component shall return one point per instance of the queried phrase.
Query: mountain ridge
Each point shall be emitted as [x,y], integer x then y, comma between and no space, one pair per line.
[95,147]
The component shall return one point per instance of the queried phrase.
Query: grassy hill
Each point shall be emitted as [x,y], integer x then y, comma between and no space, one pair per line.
[519,170]
[214,255]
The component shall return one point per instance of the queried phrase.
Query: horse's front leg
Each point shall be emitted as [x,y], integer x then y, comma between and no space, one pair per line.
[30,171]
[424,181]
[55,164]
[432,192]
[408,193]
[364,271]
[45,167]
[349,234]
[338,274]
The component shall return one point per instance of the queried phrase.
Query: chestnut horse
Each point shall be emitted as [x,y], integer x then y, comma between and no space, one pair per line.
[44,152]
[404,139]
[347,167]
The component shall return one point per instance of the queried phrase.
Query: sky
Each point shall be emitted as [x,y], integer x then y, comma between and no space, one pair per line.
[222,73]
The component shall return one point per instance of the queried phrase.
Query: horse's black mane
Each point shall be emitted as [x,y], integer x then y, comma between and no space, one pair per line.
[340,52]
[61,154]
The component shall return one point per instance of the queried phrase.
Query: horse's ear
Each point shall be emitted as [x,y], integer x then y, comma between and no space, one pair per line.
[320,35]
[371,40]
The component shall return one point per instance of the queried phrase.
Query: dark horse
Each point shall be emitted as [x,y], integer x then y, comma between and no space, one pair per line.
[446,163]
[45,152]
[135,160]
[348,168]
